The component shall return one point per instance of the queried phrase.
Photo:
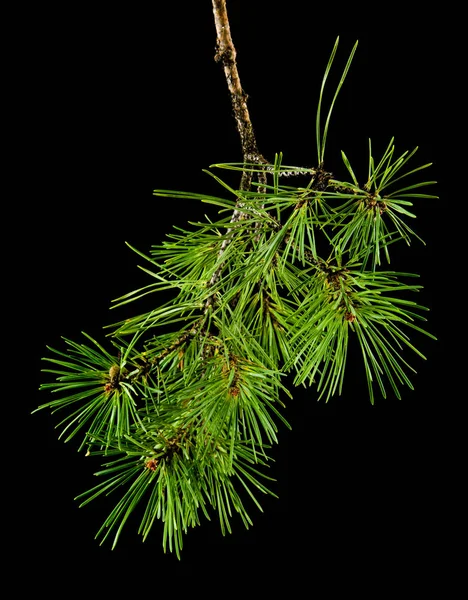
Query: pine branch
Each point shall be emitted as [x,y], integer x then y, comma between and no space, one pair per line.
[184,407]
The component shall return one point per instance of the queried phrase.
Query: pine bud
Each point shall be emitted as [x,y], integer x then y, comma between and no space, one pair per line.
[114,373]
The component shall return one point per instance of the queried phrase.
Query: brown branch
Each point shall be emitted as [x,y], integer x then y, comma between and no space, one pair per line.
[226,54]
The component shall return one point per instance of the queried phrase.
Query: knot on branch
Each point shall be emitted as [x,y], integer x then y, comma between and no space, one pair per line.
[319,184]
[224,56]
[334,277]
[321,179]
[375,204]
[168,448]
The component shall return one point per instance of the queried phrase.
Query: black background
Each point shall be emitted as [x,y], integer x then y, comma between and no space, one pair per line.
[111,104]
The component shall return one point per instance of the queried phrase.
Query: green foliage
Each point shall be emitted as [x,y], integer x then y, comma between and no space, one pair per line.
[186,403]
